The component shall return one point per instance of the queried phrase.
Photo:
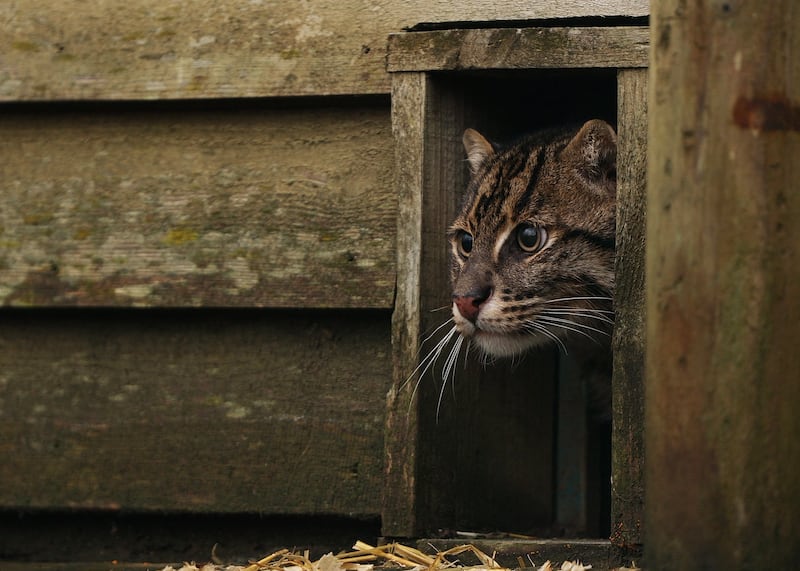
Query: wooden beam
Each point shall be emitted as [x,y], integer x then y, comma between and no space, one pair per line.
[723,292]
[170,49]
[518,48]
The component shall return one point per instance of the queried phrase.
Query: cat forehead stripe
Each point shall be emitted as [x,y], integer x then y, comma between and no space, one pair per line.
[501,239]
[493,191]
[536,169]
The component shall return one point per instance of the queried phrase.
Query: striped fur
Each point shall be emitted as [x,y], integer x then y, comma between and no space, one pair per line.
[510,294]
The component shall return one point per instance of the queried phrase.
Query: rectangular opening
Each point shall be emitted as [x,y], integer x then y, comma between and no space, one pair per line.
[504,446]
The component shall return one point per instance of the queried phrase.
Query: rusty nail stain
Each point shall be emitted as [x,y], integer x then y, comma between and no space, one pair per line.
[770,113]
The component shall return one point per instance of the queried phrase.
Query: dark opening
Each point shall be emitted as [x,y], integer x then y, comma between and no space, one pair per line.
[510,446]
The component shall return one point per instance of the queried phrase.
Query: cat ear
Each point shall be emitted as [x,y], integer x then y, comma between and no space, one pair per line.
[478,149]
[595,150]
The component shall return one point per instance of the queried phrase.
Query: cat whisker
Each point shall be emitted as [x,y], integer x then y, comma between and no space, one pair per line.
[434,332]
[428,361]
[435,309]
[451,359]
[569,325]
[486,359]
[466,353]
[584,309]
[446,372]
[580,298]
[579,313]
[538,327]
[576,324]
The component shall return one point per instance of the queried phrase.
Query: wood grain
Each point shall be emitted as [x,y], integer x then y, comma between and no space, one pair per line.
[518,48]
[225,206]
[723,461]
[204,411]
[627,491]
[168,49]
[399,514]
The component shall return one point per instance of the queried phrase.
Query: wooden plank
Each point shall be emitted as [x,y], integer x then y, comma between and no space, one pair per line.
[494,435]
[510,10]
[723,461]
[399,517]
[627,492]
[518,48]
[92,537]
[169,49]
[175,206]
[571,460]
[204,411]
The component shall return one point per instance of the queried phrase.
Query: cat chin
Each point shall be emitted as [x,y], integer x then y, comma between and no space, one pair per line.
[505,345]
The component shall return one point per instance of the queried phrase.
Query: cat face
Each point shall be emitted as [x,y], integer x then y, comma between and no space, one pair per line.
[532,250]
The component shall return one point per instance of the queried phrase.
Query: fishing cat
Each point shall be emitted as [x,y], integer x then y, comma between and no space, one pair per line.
[532,249]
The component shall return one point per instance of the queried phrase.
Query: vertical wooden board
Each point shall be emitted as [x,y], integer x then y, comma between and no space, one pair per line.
[571,468]
[442,180]
[723,461]
[629,329]
[202,411]
[502,429]
[225,205]
[399,512]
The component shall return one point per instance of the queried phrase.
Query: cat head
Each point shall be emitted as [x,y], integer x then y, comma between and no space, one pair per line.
[532,250]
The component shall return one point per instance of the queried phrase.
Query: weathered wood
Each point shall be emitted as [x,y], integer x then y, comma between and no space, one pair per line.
[627,491]
[399,513]
[723,291]
[202,411]
[91,538]
[169,49]
[165,206]
[518,48]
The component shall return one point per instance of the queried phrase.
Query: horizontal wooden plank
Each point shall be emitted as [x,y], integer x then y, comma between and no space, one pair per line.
[92,537]
[170,49]
[181,207]
[519,48]
[203,411]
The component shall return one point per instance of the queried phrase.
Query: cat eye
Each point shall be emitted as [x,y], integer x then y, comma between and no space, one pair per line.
[464,243]
[531,238]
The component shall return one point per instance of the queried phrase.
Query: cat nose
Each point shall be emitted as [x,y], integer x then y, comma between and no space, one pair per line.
[470,304]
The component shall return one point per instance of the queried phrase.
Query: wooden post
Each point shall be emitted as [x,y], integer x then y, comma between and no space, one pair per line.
[627,460]
[723,286]
[400,484]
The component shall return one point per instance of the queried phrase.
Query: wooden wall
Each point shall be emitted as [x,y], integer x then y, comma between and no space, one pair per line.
[238,204]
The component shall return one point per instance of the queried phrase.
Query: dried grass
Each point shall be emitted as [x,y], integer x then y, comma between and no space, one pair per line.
[365,557]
